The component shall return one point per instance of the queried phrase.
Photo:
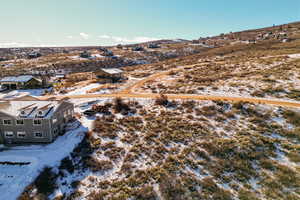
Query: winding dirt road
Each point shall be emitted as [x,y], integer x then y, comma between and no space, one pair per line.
[275,102]
[129,93]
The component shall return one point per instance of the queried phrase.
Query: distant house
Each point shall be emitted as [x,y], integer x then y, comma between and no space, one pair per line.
[61,73]
[33,121]
[153,45]
[109,75]
[85,54]
[34,54]
[20,82]
[107,53]
[2,59]
[119,46]
[137,48]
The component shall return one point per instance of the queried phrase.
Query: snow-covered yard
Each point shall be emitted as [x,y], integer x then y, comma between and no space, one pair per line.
[14,178]
[85,89]
[21,93]
[34,92]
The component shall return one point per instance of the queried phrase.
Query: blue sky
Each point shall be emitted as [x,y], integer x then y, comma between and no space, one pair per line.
[106,22]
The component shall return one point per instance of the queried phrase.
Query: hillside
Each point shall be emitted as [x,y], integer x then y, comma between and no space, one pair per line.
[182,150]
[147,139]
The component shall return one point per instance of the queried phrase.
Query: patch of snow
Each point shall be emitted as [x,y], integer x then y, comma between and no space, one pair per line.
[254,183]
[97,56]
[14,178]
[294,55]
[35,92]
[21,93]
[85,89]
[283,159]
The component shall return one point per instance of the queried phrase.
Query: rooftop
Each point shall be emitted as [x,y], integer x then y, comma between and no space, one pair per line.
[31,108]
[112,70]
[23,78]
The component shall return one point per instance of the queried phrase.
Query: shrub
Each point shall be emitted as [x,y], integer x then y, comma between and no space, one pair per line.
[171,188]
[95,196]
[114,153]
[121,107]
[99,165]
[75,184]
[146,193]
[127,168]
[294,156]
[247,195]
[46,181]
[67,164]
[102,109]
[162,100]
[292,117]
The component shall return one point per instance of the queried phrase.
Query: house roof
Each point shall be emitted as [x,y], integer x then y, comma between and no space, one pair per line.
[112,70]
[23,78]
[14,108]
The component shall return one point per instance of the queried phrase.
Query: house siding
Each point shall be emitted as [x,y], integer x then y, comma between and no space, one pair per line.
[60,119]
[31,84]
[28,128]
[47,127]
[105,77]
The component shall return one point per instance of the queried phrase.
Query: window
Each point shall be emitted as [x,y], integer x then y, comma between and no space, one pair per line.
[65,114]
[38,135]
[40,113]
[54,120]
[7,122]
[55,131]
[8,134]
[20,122]
[37,122]
[21,134]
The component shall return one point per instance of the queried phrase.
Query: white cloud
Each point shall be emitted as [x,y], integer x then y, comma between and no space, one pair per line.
[70,37]
[104,36]
[84,36]
[117,39]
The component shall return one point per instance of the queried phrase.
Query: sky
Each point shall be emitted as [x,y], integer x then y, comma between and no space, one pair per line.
[110,22]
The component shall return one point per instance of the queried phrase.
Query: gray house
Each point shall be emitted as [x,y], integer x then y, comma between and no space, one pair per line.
[20,82]
[109,75]
[33,121]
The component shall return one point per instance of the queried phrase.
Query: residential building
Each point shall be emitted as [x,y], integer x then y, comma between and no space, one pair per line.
[155,45]
[33,121]
[34,54]
[109,75]
[85,54]
[20,82]
[137,48]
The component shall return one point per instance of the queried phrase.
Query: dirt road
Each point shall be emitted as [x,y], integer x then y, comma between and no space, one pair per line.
[129,93]
[130,89]
[276,102]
